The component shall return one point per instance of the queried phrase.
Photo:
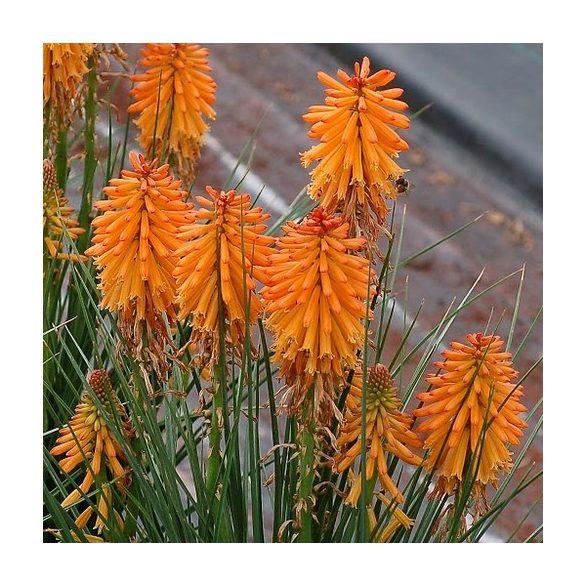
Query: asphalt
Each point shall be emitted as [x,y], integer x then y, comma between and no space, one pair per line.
[486,97]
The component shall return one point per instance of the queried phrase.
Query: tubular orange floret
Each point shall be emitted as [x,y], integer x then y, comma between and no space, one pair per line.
[133,247]
[398,519]
[172,98]
[358,145]
[316,295]
[473,412]
[388,431]
[226,251]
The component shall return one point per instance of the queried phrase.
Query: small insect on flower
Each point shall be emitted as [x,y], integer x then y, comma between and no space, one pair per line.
[402,185]
[472,413]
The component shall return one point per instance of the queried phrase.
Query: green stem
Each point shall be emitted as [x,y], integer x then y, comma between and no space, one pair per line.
[46,130]
[61,166]
[215,458]
[278,473]
[131,518]
[90,163]
[363,519]
[214,461]
[75,298]
[307,450]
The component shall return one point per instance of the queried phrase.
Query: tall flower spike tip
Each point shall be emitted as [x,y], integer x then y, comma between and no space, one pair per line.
[87,440]
[57,220]
[64,66]
[316,296]
[231,232]
[472,413]
[388,431]
[174,94]
[134,244]
[358,145]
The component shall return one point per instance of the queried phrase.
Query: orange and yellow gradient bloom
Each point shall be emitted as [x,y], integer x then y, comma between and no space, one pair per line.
[388,431]
[472,412]
[316,297]
[358,146]
[133,247]
[173,97]
[225,252]
[58,223]
[88,441]
[64,66]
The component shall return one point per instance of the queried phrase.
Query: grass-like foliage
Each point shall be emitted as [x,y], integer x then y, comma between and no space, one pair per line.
[212,435]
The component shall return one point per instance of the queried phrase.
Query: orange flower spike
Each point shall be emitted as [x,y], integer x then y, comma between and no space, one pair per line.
[316,296]
[57,217]
[64,65]
[358,145]
[475,389]
[133,245]
[215,247]
[388,430]
[174,94]
[88,440]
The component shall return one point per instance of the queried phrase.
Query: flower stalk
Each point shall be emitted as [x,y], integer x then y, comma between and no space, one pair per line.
[214,458]
[218,404]
[305,501]
[356,168]
[374,427]
[90,160]
[64,67]
[223,253]
[88,441]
